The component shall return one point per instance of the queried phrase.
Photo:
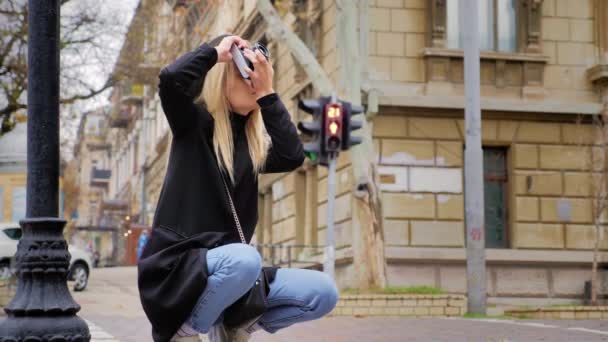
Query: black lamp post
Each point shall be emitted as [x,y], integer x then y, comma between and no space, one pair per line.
[43,309]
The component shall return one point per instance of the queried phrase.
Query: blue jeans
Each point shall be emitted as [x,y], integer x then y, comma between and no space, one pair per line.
[296,295]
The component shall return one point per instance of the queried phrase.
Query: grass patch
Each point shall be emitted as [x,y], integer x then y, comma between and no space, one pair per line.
[429,290]
[474,315]
[560,305]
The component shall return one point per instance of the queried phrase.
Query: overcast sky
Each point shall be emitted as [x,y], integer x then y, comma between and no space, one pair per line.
[119,12]
[123,11]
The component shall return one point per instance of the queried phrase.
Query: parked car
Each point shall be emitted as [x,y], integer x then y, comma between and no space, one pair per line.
[10,233]
[80,263]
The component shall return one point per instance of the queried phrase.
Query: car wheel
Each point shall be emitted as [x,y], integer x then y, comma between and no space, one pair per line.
[81,276]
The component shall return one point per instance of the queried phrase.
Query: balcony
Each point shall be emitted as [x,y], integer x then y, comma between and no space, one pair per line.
[120,118]
[132,94]
[100,178]
[123,115]
[179,3]
[147,71]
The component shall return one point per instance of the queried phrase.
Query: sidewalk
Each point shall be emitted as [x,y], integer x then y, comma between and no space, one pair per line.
[98,334]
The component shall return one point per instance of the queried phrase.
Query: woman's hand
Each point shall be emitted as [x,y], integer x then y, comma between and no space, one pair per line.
[223,48]
[262,75]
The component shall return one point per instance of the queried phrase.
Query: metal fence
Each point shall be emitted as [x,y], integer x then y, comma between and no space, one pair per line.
[290,255]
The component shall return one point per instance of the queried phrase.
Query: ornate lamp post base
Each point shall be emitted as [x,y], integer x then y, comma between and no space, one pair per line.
[44,329]
[43,308]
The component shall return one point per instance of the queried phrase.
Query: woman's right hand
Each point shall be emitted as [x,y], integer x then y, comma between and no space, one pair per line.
[223,48]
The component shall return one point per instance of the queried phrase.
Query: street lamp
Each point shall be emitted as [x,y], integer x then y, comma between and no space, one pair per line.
[43,309]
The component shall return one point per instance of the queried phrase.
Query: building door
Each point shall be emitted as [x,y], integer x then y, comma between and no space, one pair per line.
[495,197]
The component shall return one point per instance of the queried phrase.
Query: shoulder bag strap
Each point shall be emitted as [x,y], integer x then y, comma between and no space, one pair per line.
[236,218]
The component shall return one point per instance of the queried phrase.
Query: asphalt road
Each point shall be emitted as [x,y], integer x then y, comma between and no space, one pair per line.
[111,304]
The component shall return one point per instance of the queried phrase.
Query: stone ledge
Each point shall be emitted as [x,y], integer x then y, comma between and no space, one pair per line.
[507,56]
[400,94]
[401,305]
[561,312]
[494,255]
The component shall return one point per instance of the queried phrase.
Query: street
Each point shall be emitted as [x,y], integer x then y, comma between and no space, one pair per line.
[111,304]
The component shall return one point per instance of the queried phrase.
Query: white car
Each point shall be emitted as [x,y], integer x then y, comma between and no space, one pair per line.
[80,263]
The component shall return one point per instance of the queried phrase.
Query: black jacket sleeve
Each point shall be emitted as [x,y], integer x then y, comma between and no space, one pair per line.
[180,82]
[286,152]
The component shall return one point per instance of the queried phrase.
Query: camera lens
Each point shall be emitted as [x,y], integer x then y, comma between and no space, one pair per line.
[262,49]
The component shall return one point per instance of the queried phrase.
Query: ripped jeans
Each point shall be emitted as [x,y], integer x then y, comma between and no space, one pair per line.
[296,295]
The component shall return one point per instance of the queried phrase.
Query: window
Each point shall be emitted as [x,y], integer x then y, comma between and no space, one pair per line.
[497,25]
[18,203]
[13,233]
[495,197]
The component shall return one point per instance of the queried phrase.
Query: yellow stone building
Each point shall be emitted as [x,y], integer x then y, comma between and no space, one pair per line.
[92,158]
[13,167]
[544,73]
[13,174]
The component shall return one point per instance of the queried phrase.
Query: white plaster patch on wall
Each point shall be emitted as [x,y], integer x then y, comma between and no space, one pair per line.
[443,198]
[434,179]
[564,209]
[440,161]
[395,179]
[344,177]
[277,190]
[403,158]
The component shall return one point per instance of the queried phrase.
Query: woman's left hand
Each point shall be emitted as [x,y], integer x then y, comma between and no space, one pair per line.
[262,75]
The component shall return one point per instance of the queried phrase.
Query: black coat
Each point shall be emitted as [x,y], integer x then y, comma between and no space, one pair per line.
[193,212]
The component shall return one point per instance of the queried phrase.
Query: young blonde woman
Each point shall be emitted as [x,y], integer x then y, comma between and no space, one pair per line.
[194,265]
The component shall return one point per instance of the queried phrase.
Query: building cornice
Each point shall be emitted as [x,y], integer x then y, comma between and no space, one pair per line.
[411,95]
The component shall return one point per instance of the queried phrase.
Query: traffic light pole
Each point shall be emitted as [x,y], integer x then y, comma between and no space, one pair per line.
[329,133]
[330,243]
[473,168]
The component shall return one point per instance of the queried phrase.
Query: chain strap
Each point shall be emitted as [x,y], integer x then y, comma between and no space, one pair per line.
[236,218]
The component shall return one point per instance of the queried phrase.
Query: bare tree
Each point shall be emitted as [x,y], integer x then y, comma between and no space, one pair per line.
[85,52]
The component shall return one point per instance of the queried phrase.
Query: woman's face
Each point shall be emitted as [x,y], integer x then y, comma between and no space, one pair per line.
[241,95]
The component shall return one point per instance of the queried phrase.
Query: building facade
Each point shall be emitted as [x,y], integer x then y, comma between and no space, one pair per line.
[13,174]
[543,84]
[13,167]
[92,157]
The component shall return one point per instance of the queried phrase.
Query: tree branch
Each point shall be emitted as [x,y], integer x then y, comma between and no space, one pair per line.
[279,31]
[92,92]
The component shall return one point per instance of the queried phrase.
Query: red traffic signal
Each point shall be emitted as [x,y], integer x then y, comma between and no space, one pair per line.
[333,127]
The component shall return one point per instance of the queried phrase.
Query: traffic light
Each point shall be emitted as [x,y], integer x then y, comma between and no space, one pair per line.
[332,139]
[350,125]
[330,130]
[313,149]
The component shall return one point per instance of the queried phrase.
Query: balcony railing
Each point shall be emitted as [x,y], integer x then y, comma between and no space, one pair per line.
[132,93]
[123,115]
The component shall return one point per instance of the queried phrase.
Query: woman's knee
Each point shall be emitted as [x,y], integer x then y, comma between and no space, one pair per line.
[328,292]
[322,294]
[244,262]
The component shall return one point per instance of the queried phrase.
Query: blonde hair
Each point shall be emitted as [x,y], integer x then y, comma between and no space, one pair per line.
[214,98]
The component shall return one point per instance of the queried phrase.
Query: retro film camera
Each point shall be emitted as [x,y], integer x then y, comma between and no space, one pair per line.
[242,62]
